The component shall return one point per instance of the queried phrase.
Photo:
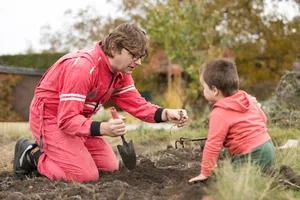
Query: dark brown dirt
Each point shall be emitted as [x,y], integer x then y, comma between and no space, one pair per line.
[163,175]
[289,178]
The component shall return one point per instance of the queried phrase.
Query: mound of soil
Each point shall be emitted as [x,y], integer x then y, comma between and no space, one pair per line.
[163,175]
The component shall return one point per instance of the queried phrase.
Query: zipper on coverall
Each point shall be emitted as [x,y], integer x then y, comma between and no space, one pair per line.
[112,80]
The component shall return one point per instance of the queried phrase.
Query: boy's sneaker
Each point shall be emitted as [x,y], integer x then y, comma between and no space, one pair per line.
[22,166]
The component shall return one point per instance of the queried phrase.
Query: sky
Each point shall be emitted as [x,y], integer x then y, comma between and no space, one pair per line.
[21,21]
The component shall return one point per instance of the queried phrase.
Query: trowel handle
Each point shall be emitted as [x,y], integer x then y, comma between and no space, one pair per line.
[123,139]
[114,113]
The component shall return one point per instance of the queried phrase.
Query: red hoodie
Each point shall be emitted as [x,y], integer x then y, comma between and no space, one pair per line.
[237,123]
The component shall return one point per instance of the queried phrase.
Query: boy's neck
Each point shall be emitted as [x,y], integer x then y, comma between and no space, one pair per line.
[220,95]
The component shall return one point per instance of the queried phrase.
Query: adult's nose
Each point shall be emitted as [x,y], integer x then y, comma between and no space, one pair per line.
[138,62]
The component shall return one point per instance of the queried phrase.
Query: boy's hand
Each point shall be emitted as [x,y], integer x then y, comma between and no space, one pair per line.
[176,116]
[200,177]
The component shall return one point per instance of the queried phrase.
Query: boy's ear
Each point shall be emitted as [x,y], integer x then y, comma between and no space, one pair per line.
[215,90]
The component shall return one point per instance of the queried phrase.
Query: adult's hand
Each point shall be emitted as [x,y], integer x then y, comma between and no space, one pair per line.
[176,116]
[113,128]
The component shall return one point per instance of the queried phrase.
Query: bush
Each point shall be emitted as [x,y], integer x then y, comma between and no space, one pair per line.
[7,85]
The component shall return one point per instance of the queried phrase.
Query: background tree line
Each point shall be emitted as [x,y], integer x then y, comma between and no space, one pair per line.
[192,32]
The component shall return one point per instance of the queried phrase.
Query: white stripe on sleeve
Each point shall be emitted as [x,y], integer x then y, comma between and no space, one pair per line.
[92,104]
[91,71]
[125,90]
[72,96]
[76,61]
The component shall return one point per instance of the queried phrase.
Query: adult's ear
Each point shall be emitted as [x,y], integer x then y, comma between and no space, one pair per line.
[113,50]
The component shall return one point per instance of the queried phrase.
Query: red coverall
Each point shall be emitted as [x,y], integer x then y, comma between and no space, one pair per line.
[68,94]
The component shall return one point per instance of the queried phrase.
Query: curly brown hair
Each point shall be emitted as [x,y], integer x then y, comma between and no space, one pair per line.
[127,35]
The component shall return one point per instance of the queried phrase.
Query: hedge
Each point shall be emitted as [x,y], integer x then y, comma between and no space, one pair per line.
[39,61]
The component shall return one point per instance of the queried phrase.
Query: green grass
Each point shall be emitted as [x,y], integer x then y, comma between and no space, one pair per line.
[14,130]
[146,135]
[289,157]
[249,182]
[280,136]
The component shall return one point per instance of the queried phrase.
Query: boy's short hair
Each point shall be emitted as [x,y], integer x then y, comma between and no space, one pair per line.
[127,35]
[222,74]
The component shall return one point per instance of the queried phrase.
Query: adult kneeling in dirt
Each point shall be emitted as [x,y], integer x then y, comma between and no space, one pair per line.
[236,121]
[69,145]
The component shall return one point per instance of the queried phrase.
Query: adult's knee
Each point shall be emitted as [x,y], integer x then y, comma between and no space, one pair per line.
[91,174]
[113,166]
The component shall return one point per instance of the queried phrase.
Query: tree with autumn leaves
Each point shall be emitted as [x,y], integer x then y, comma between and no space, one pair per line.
[192,32]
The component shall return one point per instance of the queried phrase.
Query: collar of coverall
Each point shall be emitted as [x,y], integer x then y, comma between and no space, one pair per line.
[103,56]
